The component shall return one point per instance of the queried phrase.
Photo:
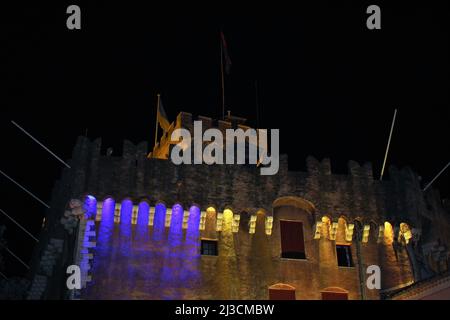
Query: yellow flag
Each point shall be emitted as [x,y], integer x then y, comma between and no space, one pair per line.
[162,117]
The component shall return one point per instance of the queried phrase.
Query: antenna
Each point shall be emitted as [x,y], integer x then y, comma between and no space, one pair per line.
[257,104]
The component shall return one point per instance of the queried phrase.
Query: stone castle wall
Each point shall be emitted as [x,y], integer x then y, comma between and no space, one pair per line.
[354,197]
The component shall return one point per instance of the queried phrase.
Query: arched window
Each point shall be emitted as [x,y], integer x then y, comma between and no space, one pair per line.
[343,246]
[334,293]
[281,291]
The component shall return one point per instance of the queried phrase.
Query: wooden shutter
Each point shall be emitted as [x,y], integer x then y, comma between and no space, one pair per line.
[281,294]
[328,295]
[292,236]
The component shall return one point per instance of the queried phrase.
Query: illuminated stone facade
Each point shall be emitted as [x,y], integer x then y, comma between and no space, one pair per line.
[148,241]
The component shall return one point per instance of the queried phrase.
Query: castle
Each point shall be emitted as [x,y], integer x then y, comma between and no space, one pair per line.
[155,230]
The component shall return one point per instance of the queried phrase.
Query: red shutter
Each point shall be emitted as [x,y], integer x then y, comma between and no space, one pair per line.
[328,295]
[292,236]
[277,294]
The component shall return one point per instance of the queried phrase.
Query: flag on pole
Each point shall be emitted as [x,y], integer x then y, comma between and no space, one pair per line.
[225,53]
[162,117]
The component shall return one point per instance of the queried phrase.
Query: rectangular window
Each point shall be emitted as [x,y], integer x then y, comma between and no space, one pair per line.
[209,247]
[344,256]
[292,242]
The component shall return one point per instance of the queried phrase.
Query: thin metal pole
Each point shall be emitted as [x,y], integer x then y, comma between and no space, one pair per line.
[437,176]
[157,117]
[18,259]
[23,188]
[257,104]
[223,79]
[39,143]
[19,225]
[389,143]
[1,274]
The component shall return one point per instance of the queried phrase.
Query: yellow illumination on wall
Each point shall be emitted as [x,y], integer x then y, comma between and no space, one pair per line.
[204,215]
[117,209]
[151,216]
[98,216]
[202,223]
[326,227]
[388,233]
[269,225]
[219,221]
[333,230]
[134,214]
[317,229]
[380,234]
[366,232]
[235,219]
[185,219]
[252,224]
[405,231]
[227,214]
[349,232]
[168,217]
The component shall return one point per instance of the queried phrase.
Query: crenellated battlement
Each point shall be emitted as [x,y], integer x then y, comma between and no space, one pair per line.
[356,194]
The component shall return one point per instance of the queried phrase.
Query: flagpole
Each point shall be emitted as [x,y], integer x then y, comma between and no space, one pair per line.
[389,143]
[156,124]
[223,79]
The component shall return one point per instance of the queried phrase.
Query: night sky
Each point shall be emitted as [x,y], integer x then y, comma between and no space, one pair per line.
[327,82]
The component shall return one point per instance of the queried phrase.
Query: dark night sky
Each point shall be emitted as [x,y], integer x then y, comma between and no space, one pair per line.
[327,82]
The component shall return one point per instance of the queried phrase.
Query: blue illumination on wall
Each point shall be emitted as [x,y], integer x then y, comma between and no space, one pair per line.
[125,243]
[143,212]
[90,205]
[142,262]
[190,274]
[173,256]
[176,223]
[106,228]
[126,211]
[158,222]
[193,222]
[142,229]
[104,238]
